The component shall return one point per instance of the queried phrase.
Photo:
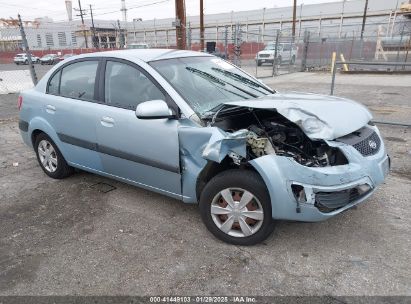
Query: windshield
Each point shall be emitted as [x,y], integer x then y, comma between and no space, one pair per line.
[207,82]
[270,47]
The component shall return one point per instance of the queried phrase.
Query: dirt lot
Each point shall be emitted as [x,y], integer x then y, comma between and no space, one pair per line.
[74,237]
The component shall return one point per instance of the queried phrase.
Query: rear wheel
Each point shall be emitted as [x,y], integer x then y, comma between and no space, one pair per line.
[50,158]
[235,206]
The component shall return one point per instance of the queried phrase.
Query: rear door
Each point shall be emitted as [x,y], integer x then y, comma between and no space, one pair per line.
[71,107]
[144,151]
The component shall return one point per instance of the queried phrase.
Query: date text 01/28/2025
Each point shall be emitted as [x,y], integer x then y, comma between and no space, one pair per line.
[203,299]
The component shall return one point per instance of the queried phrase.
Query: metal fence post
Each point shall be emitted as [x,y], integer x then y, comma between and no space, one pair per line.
[305,51]
[275,62]
[237,44]
[189,36]
[333,77]
[399,47]
[26,47]
[226,42]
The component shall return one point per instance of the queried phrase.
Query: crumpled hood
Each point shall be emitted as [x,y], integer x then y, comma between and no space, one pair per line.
[319,116]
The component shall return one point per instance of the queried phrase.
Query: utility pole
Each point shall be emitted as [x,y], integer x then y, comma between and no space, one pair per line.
[294,17]
[121,35]
[299,27]
[364,17]
[124,12]
[201,25]
[342,19]
[26,48]
[95,40]
[82,13]
[180,24]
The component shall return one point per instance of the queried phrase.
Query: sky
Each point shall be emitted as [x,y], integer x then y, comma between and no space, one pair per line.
[145,9]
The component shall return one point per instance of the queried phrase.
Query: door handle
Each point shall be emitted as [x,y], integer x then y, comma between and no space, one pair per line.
[107,121]
[50,109]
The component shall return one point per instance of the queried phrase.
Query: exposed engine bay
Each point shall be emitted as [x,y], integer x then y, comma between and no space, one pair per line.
[271,133]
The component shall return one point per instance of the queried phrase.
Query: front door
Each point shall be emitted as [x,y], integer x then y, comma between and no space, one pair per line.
[144,152]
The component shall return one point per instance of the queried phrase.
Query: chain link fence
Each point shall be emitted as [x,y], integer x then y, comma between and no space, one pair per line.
[265,50]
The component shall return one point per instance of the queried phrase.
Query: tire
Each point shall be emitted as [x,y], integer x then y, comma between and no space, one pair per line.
[17,63]
[239,230]
[279,60]
[26,62]
[45,150]
[41,62]
[259,63]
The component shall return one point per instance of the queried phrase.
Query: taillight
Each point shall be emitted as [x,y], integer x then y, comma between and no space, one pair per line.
[19,102]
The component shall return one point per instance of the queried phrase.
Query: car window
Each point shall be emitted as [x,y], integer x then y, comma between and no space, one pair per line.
[78,79]
[53,87]
[126,86]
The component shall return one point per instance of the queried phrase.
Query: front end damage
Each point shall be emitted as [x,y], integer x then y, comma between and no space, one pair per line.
[312,170]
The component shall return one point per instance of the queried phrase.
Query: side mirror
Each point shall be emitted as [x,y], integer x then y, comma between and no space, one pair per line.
[154,109]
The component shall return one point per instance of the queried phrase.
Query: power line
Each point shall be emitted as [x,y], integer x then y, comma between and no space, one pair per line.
[132,7]
[28,7]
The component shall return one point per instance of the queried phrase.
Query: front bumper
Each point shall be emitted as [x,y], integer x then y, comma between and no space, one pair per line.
[281,173]
[265,60]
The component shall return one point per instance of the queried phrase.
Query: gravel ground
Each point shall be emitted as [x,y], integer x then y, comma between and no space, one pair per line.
[74,237]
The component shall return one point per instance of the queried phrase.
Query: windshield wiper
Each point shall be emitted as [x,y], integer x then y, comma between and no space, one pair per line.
[214,112]
[219,81]
[245,80]
[214,79]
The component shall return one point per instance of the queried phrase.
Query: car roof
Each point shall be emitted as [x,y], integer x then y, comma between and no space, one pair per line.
[146,55]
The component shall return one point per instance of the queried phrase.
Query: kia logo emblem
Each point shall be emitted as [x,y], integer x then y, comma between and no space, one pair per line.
[372,144]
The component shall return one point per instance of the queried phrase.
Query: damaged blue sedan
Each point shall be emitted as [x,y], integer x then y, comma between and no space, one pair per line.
[196,128]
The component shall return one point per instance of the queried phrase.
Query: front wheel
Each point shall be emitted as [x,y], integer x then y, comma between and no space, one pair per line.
[235,206]
[279,60]
[50,158]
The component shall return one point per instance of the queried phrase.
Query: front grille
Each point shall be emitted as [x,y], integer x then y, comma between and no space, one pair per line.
[370,145]
[366,141]
[264,55]
[330,201]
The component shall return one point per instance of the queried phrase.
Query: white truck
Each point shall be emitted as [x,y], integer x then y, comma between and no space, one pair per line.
[286,52]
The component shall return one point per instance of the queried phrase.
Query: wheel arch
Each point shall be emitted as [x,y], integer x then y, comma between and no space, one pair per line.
[213,168]
[39,125]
